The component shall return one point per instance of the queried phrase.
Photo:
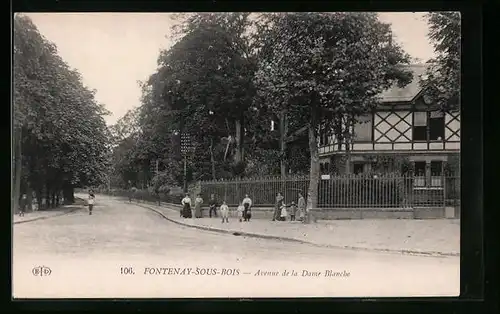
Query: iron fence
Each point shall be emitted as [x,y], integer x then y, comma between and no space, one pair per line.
[344,191]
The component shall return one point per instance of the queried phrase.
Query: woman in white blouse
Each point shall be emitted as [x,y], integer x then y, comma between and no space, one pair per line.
[186,207]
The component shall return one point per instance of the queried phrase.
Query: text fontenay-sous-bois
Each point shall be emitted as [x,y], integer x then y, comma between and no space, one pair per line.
[203,271]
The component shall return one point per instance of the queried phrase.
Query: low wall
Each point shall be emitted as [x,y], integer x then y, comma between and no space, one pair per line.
[360,213]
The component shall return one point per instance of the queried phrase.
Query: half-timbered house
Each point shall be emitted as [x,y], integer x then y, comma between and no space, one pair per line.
[407,131]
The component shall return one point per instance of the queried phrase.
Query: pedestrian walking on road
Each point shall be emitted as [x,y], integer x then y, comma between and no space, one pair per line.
[224,212]
[186,207]
[90,201]
[293,211]
[301,207]
[241,211]
[197,207]
[277,207]
[247,205]
[213,206]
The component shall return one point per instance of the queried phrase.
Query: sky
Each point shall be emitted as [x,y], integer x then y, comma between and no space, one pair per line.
[114,51]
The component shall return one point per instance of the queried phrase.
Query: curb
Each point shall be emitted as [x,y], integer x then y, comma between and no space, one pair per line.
[64,212]
[286,239]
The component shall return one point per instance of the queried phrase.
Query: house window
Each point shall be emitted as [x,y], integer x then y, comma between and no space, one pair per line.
[436,173]
[358,167]
[428,126]
[363,128]
[420,126]
[436,126]
[419,173]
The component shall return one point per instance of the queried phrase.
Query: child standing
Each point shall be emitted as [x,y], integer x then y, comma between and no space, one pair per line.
[284,212]
[224,212]
[241,210]
[293,211]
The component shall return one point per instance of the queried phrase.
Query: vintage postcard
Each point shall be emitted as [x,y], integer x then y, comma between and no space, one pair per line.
[247,155]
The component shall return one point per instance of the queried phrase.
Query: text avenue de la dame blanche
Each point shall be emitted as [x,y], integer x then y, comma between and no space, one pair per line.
[201,271]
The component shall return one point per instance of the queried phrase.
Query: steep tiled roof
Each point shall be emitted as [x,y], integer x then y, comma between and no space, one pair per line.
[407,93]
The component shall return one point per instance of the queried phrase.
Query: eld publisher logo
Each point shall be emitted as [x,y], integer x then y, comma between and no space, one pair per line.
[41,271]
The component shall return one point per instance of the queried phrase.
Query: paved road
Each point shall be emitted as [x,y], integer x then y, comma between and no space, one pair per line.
[85,254]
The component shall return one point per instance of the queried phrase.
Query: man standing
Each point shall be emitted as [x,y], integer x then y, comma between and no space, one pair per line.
[213,206]
[301,204]
[247,204]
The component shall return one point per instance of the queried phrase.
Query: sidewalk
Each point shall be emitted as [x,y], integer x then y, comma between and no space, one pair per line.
[427,237]
[44,214]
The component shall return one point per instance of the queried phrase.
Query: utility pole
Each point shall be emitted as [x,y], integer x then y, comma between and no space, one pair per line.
[185,149]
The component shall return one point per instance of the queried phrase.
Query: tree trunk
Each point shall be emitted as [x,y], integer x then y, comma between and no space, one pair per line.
[283,146]
[212,159]
[239,140]
[47,197]
[53,202]
[348,139]
[17,175]
[312,192]
[68,194]
[29,198]
[39,198]
[283,135]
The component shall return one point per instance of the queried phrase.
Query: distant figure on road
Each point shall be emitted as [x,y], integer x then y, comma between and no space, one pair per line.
[247,204]
[23,202]
[91,201]
[293,211]
[157,194]
[277,207]
[224,212]
[186,209]
[301,207]
[213,206]
[197,207]
[241,211]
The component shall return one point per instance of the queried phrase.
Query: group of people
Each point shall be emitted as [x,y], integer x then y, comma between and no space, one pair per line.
[297,211]
[281,211]
[187,211]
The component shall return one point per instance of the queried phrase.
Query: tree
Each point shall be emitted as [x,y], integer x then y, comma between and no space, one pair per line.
[444,72]
[325,69]
[204,87]
[61,136]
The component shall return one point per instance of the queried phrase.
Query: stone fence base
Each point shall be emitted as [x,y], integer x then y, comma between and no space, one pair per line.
[363,213]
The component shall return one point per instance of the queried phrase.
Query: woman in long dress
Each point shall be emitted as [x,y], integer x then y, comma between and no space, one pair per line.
[277,207]
[197,207]
[186,207]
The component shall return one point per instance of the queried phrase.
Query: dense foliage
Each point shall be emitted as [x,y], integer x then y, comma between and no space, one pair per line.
[444,72]
[228,76]
[60,136]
